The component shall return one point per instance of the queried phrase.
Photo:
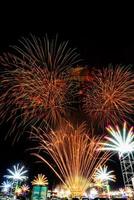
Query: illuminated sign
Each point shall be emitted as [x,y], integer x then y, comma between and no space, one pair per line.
[39,192]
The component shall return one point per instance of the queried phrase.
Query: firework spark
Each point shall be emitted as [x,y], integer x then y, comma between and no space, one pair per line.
[40,180]
[120,141]
[6,186]
[102,174]
[111,97]
[75,154]
[35,83]
[25,188]
[17,174]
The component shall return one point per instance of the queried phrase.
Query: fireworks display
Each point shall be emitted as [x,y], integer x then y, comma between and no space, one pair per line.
[110,99]
[17,174]
[102,174]
[6,186]
[40,180]
[41,82]
[121,141]
[75,154]
[35,83]
[25,188]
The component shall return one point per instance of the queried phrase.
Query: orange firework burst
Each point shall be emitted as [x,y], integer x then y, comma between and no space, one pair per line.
[111,97]
[35,83]
[75,154]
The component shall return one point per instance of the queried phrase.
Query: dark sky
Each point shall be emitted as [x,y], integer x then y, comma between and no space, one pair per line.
[98,40]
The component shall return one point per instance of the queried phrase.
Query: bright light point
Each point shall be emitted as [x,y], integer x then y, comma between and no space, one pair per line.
[18,191]
[61,191]
[93,193]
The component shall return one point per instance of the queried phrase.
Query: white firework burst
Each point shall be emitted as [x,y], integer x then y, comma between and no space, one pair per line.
[17,174]
[102,174]
[6,186]
[120,141]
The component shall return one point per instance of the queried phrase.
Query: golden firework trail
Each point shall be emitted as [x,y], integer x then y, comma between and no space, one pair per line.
[74,153]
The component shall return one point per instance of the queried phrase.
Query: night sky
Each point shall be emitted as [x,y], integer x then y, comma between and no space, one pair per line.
[99,43]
